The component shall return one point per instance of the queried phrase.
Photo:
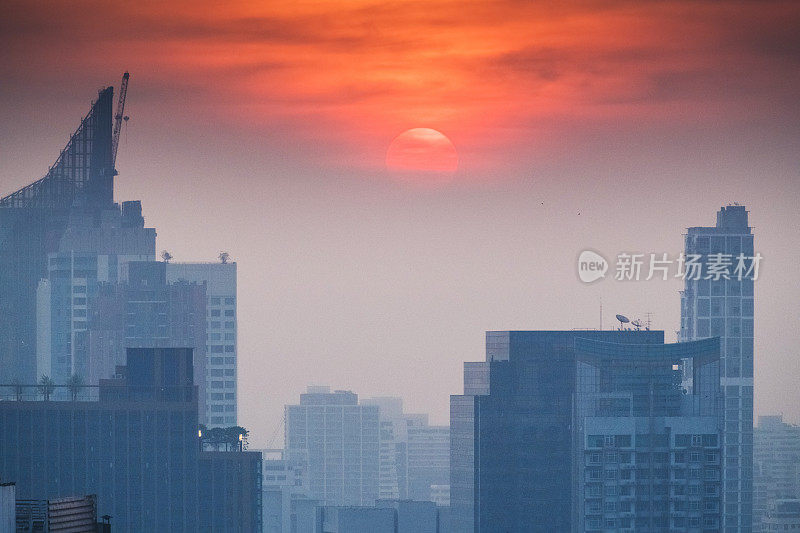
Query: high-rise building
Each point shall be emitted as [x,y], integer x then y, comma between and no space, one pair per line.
[220,391]
[415,456]
[586,431]
[66,229]
[776,465]
[339,440]
[428,460]
[137,447]
[717,301]
[134,308]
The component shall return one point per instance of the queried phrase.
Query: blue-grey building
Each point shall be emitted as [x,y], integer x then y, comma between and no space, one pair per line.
[137,447]
[219,390]
[586,431]
[719,303]
[66,229]
[338,441]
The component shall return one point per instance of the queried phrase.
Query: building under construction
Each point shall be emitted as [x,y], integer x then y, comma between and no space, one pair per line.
[68,216]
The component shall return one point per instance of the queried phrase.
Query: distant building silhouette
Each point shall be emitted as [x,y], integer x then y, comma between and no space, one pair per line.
[586,431]
[339,441]
[724,308]
[776,469]
[415,456]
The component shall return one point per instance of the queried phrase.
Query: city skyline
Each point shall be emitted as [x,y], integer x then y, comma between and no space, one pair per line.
[371,265]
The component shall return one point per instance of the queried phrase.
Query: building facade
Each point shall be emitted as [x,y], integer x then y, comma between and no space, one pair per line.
[89,255]
[428,461]
[586,431]
[221,354]
[339,441]
[715,304]
[137,448]
[776,468]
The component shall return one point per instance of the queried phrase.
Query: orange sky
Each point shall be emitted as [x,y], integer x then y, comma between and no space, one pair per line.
[493,76]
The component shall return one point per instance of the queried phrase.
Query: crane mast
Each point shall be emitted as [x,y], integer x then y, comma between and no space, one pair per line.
[123,91]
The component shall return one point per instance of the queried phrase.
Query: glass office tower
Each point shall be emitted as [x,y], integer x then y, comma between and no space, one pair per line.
[586,431]
[724,308]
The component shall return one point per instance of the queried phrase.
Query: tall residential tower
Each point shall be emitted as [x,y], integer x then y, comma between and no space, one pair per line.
[220,349]
[719,303]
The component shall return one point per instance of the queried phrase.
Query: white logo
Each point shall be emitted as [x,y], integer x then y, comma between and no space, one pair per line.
[591,266]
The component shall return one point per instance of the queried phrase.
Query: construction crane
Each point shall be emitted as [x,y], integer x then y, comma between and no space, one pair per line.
[123,91]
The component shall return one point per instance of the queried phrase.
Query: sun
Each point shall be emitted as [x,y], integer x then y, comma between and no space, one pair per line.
[422,155]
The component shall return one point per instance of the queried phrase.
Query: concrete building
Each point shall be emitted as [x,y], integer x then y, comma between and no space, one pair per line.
[221,354]
[339,440]
[717,301]
[776,469]
[586,431]
[137,448]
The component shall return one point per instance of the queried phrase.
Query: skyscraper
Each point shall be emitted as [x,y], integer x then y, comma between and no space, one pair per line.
[71,209]
[220,390]
[721,305]
[586,431]
[339,441]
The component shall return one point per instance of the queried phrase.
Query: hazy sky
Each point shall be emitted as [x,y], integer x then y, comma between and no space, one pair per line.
[261,128]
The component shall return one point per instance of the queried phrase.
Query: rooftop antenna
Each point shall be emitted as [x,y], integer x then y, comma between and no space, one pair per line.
[622,320]
[649,322]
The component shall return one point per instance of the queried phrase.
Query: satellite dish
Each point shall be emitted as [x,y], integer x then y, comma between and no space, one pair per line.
[637,323]
[623,319]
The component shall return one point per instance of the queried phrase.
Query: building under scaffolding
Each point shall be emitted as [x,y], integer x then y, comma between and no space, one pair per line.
[69,211]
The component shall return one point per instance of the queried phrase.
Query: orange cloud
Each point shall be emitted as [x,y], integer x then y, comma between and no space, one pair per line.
[488,74]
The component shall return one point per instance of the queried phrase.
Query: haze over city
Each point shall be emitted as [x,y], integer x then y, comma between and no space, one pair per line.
[263,130]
